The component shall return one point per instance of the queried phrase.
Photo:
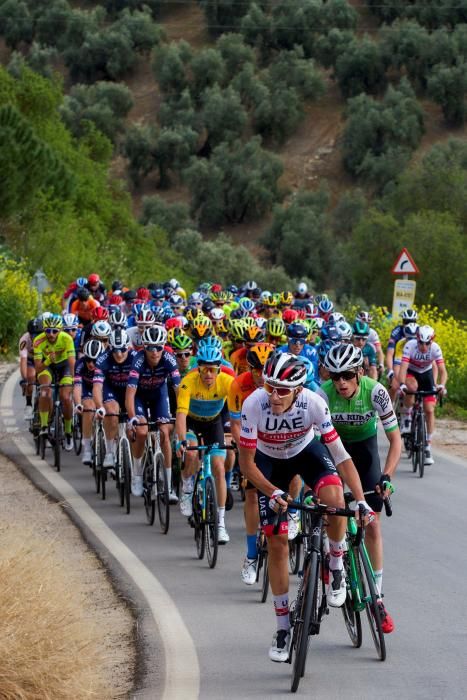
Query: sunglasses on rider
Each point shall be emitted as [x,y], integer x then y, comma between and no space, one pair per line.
[205,369]
[282,392]
[335,376]
[297,341]
[52,331]
[183,354]
[154,348]
[360,337]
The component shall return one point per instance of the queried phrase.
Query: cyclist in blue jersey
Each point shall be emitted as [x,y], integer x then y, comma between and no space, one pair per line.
[398,334]
[109,384]
[297,345]
[82,392]
[147,389]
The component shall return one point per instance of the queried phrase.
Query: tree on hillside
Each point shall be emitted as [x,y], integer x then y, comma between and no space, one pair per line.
[105,104]
[331,45]
[257,30]
[138,147]
[299,238]
[169,217]
[16,24]
[170,67]
[224,16]
[208,69]
[278,111]
[235,53]
[238,182]
[145,34]
[448,87]
[172,151]
[223,115]
[294,70]
[361,68]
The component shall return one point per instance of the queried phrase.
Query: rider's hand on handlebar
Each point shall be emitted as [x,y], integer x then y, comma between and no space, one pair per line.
[402,389]
[180,448]
[278,502]
[79,408]
[364,513]
[385,487]
[100,413]
[441,389]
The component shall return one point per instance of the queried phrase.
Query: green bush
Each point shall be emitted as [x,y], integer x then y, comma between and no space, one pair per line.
[18,303]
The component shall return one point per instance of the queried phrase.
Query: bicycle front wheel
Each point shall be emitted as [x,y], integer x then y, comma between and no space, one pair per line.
[212,528]
[371,600]
[352,619]
[58,436]
[265,576]
[294,555]
[198,523]
[162,490]
[125,456]
[306,601]
[77,434]
[422,444]
[148,492]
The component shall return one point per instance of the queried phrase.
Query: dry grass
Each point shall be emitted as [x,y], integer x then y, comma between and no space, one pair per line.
[48,648]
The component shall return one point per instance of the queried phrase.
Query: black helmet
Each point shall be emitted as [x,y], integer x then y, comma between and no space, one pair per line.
[83,294]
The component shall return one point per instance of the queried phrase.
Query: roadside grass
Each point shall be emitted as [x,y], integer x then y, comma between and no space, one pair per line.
[49,650]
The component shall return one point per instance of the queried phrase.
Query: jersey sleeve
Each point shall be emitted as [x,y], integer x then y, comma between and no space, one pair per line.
[38,347]
[173,373]
[437,354]
[234,400]
[407,353]
[133,376]
[23,345]
[184,395]
[321,417]
[381,402]
[99,376]
[78,373]
[394,337]
[250,419]
[69,346]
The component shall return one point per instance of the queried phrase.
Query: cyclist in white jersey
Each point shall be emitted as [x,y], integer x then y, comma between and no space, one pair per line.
[276,443]
[416,372]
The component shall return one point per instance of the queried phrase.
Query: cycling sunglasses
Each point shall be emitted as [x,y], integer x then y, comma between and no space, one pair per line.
[360,337]
[154,348]
[282,392]
[335,376]
[183,354]
[204,369]
[52,331]
[297,341]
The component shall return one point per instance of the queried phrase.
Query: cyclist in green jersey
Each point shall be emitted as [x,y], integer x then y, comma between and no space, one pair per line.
[54,350]
[355,403]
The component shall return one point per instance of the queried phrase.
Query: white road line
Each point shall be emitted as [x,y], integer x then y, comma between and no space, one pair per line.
[182,675]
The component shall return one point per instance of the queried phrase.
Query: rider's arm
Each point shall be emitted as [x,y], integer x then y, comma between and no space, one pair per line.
[130,401]
[394,452]
[348,473]
[235,425]
[403,371]
[180,426]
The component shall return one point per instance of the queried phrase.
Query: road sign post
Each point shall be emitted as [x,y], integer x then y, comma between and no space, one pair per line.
[404,288]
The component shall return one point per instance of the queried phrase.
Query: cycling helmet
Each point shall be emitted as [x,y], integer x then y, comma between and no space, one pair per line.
[53,321]
[275,327]
[268,299]
[250,286]
[320,297]
[335,317]
[256,293]
[237,327]
[143,293]
[310,370]
[158,294]
[81,282]
[297,330]
[201,327]
[258,354]
[115,300]
[325,306]
[261,322]
[323,349]
[46,314]
[192,312]
[119,339]
[250,322]
[70,321]
[361,329]
[34,326]
[176,300]
[289,316]
[209,354]
[313,326]
[233,289]
[175,284]
[129,296]
[167,313]
[181,342]
[94,278]
[195,299]
[211,341]
[285,298]
[208,305]
[117,319]
[311,310]
[410,330]
[83,294]
[302,288]
[409,315]
[425,334]
[217,315]
[222,327]
[101,329]
[343,357]
[345,330]
[175,322]
[116,286]
[283,369]
[99,314]
[204,287]
[247,305]
[92,349]
[253,334]
[319,322]
[330,333]
[154,335]
[364,316]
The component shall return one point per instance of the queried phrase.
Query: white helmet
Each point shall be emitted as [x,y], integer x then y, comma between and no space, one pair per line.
[155,335]
[70,321]
[425,334]
[217,314]
[101,329]
[343,357]
[302,288]
[251,286]
[345,330]
[335,317]
[282,369]
[92,349]
[119,339]
[409,315]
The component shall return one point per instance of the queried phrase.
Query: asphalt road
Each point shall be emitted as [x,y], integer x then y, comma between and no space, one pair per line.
[425,571]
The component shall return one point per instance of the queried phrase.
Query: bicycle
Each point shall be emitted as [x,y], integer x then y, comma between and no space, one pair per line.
[123,464]
[204,518]
[415,442]
[262,549]
[155,482]
[77,432]
[362,593]
[98,454]
[310,605]
[35,422]
[56,434]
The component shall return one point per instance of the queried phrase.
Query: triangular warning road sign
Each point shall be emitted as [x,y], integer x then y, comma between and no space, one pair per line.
[404,264]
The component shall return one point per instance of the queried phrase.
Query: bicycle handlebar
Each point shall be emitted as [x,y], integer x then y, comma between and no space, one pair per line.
[209,448]
[349,497]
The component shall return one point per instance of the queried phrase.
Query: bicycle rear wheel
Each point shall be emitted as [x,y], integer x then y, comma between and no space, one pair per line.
[422,444]
[212,528]
[371,600]
[42,445]
[198,524]
[294,555]
[352,618]
[265,577]
[306,601]
[77,434]
[414,444]
[58,437]
[148,491]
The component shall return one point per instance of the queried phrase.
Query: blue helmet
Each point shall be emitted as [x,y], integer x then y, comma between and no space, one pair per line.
[81,281]
[325,306]
[297,330]
[212,341]
[310,372]
[323,349]
[209,355]
[233,289]
[330,333]
[158,294]
[239,313]
[247,305]
[167,313]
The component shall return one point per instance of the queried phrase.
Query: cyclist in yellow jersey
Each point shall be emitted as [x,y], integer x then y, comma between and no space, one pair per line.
[54,358]
[201,397]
